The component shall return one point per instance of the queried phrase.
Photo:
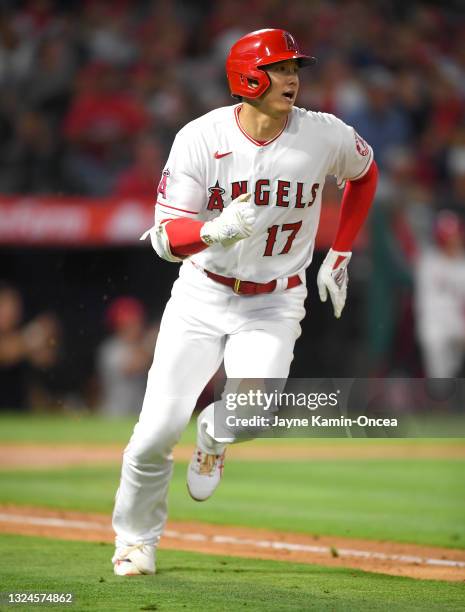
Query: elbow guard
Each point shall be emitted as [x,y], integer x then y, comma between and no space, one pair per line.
[161,243]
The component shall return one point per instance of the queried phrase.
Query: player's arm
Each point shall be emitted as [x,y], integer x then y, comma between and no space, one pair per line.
[356,202]
[355,158]
[177,232]
[188,236]
[179,198]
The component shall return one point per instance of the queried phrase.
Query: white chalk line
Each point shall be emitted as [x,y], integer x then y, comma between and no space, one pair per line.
[235,541]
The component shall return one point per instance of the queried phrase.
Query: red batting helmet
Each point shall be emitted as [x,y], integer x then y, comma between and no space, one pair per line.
[256,50]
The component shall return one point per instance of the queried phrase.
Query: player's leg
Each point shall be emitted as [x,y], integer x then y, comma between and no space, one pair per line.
[187,354]
[259,354]
[262,346]
[256,353]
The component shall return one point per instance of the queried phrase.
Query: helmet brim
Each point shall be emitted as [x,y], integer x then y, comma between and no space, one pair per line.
[303,60]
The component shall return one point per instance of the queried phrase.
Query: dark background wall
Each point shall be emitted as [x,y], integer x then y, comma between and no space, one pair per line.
[78,285]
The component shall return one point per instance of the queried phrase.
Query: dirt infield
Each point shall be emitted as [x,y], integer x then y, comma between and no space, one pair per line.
[421,562]
[41,456]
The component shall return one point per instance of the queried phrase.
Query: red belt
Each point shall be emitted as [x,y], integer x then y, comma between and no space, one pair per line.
[250,288]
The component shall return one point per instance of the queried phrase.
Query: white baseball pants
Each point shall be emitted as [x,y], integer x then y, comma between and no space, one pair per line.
[203,323]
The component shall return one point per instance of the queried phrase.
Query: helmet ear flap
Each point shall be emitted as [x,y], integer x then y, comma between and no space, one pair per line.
[240,74]
[261,82]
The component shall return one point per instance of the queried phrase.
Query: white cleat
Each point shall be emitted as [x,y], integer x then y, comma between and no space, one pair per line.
[134,560]
[204,474]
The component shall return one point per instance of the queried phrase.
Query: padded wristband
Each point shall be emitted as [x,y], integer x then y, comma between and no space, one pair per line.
[185,236]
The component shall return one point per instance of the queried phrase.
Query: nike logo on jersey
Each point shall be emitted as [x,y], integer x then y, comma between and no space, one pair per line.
[220,155]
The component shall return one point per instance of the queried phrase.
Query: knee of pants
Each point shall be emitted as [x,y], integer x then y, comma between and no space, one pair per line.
[157,432]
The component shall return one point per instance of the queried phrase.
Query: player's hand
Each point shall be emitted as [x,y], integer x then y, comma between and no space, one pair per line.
[333,278]
[235,223]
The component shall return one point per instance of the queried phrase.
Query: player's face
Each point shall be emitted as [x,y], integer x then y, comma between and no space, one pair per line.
[280,97]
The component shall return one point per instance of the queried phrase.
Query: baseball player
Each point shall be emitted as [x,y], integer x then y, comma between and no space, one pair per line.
[238,205]
[440,298]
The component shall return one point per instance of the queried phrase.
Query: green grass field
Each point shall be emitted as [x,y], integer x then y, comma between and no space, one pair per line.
[81,428]
[420,502]
[188,581]
[408,500]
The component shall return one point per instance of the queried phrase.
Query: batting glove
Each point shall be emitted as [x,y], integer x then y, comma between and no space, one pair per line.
[333,278]
[235,223]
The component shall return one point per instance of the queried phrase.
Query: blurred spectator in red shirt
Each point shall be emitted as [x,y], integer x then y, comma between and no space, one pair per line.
[99,126]
[141,178]
[102,114]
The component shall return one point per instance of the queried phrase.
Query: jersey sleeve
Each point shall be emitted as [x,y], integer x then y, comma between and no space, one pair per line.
[352,156]
[180,192]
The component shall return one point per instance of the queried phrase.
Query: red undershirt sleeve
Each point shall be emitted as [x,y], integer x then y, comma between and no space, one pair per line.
[184,237]
[356,202]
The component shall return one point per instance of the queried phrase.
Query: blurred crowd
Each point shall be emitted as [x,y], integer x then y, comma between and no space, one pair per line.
[93,92]
[32,359]
[29,354]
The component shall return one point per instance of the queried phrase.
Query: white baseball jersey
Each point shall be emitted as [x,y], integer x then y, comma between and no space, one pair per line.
[213,160]
[440,295]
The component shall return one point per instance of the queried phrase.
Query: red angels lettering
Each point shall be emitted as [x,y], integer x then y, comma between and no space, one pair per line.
[298,196]
[161,189]
[215,201]
[238,188]
[314,191]
[282,192]
[262,196]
